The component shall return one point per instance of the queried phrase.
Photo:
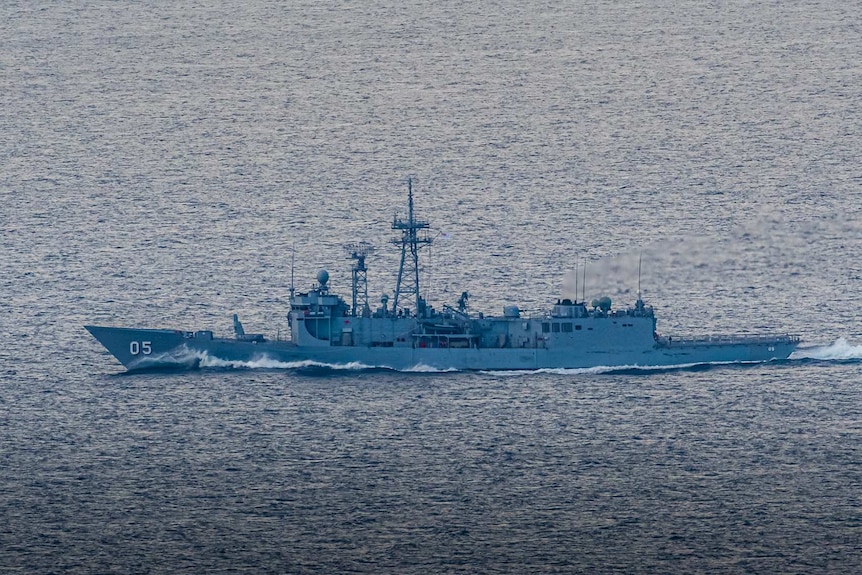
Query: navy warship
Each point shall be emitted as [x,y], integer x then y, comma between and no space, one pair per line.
[406,333]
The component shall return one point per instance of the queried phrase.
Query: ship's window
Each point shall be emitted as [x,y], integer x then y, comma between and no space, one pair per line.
[578,327]
[546,327]
[567,327]
[556,327]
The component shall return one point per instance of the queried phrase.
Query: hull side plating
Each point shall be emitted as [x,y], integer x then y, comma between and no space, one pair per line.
[142,349]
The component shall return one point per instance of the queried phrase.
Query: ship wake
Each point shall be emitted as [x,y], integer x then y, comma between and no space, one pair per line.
[839,350]
[204,360]
[179,359]
[183,359]
[626,369]
[265,362]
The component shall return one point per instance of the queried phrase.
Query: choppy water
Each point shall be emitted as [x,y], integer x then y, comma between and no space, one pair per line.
[159,162]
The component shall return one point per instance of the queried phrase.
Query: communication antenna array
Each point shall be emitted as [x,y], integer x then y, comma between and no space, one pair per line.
[359,251]
[414,235]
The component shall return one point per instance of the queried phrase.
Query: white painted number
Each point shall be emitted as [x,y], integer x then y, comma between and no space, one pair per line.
[138,347]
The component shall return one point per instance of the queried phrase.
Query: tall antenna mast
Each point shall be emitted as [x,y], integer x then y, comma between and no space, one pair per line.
[292,260]
[639,304]
[577,265]
[359,251]
[411,241]
[584,287]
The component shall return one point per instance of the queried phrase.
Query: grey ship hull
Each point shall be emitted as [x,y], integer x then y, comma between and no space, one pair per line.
[143,349]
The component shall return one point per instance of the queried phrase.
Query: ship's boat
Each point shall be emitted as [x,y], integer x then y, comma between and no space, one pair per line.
[406,333]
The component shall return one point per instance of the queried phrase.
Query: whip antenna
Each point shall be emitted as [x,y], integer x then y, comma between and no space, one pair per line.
[577,265]
[585,280]
[292,261]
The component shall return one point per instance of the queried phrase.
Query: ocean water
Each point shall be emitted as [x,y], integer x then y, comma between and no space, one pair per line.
[165,164]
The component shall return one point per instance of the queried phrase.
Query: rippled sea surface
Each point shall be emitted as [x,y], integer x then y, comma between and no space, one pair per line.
[161,161]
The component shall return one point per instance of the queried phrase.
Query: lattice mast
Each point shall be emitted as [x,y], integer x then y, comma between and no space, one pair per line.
[359,251]
[410,241]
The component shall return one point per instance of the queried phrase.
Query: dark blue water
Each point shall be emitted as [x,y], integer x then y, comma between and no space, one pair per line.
[159,163]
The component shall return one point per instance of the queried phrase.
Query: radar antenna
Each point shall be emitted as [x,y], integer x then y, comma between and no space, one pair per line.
[411,241]
[359,251]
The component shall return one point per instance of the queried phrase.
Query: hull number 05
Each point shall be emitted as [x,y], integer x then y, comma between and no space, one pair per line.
[140,347]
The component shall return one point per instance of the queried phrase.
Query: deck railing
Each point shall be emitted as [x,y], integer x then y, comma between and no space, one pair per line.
[728,339]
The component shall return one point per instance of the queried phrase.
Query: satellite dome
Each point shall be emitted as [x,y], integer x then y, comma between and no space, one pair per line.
[322,277]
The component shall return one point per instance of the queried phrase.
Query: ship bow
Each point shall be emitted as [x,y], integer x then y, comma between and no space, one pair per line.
[143,348]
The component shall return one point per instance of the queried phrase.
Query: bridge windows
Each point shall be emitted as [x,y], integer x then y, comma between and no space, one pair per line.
[561,327]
